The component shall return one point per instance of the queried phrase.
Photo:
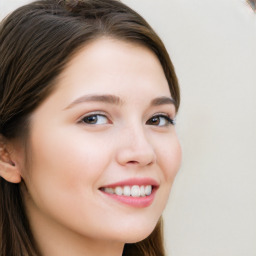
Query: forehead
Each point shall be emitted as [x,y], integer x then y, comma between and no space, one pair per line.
[106,64]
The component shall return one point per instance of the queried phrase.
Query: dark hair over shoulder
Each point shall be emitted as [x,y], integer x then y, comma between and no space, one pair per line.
[36,43]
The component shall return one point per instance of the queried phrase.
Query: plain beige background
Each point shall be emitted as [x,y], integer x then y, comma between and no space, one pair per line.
[212,207]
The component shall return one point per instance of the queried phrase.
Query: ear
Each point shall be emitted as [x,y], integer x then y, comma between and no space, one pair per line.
[8,169]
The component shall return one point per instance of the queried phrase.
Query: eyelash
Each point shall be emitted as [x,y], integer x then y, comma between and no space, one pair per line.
[166,117]
[97,115]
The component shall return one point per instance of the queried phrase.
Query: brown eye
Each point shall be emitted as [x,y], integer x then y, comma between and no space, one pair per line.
[154,121]
[160,120]
[95,119]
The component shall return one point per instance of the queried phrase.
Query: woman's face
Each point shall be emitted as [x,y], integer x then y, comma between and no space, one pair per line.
[105,129]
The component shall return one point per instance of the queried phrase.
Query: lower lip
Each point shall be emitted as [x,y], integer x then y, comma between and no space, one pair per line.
[139,202]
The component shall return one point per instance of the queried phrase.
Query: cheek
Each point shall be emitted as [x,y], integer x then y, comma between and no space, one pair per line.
[69,164]
[170,155]
[168,152]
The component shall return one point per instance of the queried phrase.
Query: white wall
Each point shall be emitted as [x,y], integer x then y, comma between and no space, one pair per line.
[212,208]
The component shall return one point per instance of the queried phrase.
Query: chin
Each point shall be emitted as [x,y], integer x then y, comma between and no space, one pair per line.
[135,238]
[137,234]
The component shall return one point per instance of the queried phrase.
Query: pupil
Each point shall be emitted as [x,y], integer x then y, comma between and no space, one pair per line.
[155,120]
[91,119]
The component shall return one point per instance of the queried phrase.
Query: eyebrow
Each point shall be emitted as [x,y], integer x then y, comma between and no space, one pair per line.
[105,98]
[163,101]
[115,100]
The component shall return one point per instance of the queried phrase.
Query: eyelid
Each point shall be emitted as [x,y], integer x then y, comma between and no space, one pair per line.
[165,114]
[172,120]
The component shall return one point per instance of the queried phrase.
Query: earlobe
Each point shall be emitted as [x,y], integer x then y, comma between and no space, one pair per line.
[8,169]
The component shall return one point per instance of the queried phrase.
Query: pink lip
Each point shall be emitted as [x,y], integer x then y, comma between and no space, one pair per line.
[138,202]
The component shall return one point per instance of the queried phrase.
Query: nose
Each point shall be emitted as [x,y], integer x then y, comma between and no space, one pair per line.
[135,148]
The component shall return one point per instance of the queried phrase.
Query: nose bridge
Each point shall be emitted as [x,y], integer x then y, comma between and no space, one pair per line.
[138,137]
[135,147]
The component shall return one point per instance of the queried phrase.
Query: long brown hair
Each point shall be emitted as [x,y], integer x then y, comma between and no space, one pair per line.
[36,43]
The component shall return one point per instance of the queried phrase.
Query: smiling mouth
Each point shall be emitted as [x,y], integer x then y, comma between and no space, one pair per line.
[129,191]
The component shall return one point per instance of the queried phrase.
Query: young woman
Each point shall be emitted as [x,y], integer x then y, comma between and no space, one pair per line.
[88,148]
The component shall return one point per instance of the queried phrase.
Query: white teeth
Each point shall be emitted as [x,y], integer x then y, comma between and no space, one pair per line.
[142,191]
[118,191]
[148,190]
[127,191]
[134,191]
[109,190]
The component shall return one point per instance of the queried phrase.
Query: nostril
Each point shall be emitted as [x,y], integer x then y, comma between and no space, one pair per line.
[132,162]
[140,163]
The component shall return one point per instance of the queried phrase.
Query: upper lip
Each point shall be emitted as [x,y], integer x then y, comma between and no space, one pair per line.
[134,181]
